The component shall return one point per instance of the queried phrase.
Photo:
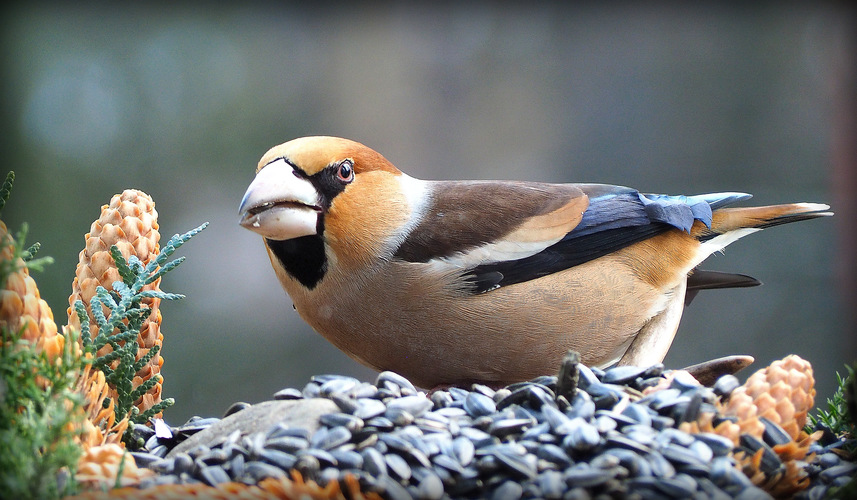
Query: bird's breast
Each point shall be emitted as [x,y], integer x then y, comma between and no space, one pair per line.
[425,325]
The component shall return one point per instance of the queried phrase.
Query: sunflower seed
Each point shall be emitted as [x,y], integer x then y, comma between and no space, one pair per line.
[288,393]
[345,420]
[398,467]
[373,462]
[415,405]
[288,444]
[213,475]
[368,408]
[477,405]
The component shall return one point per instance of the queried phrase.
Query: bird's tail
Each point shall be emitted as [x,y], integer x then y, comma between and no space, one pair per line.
[730,224]
[731,219]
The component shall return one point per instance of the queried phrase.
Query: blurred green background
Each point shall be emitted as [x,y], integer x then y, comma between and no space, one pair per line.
[180,100]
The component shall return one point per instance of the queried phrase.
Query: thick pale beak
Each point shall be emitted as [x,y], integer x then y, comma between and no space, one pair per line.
[279,204]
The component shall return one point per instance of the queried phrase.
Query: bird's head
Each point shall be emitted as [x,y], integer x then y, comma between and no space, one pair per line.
[297,182]
[329,192]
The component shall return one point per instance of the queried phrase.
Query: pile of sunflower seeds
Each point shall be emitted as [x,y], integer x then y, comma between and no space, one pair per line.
[585,434]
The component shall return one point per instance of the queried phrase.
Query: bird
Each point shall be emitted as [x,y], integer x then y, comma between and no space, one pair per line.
[486,281]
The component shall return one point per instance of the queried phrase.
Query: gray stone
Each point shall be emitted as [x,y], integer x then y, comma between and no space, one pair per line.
[261,417]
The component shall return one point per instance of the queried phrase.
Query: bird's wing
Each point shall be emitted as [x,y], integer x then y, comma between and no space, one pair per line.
[531,230]
[617,217]
[469,223]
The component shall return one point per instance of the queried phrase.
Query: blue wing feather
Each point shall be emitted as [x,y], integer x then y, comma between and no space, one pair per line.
[617,206]
[680,211]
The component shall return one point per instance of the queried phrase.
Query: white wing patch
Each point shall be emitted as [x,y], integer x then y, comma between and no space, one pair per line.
[499,251]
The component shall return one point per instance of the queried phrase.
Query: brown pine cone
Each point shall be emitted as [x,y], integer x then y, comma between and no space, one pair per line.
[268,489]
[130,222]
[99,426]
[783,393]
[99,467]
[21,305]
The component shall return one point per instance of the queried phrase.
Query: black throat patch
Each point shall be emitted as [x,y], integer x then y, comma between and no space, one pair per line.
[303,258]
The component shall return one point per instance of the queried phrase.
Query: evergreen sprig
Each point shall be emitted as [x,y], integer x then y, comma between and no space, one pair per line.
[7,267]
[38,414]
[121,326]
[841,413]
[39,407]
[6,189]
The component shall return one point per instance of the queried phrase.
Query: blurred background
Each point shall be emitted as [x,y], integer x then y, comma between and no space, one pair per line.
[180,100]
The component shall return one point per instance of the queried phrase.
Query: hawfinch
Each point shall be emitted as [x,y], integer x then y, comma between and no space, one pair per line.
[452,282]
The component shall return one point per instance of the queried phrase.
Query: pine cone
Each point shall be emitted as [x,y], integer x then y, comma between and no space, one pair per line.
[130,222]
[783,393]
[99,425]
[270,488]
[99,467]
[21,305]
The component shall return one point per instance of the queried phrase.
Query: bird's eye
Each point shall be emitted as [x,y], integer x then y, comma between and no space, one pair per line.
[345,172]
